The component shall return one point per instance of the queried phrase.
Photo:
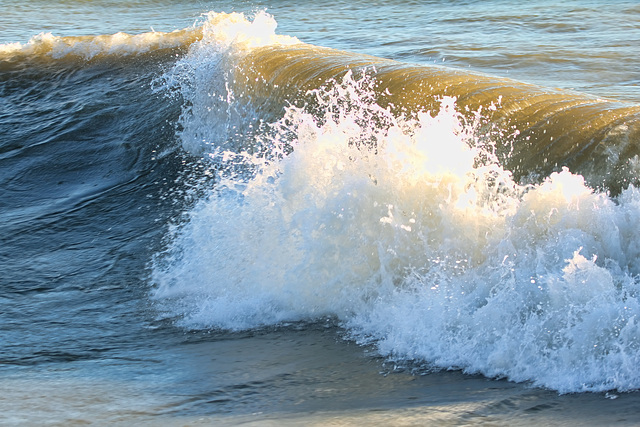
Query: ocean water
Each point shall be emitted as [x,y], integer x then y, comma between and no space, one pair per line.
[323,213]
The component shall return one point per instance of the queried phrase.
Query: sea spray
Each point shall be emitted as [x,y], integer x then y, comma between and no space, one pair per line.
[407,231]
[205,77]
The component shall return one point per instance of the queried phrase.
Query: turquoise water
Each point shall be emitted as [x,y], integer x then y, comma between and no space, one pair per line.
[208,219]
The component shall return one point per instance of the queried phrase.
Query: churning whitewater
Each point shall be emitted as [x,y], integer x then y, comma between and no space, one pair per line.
[404,226]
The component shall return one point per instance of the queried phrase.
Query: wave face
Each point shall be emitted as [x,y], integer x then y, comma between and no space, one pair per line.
[86,150]
[452,219]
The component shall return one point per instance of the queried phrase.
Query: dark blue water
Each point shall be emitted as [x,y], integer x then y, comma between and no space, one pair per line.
[80,204]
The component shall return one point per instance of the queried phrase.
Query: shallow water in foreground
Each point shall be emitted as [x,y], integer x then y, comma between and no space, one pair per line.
[289,376]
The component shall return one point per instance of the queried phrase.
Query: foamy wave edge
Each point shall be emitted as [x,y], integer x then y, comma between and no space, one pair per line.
[213,27]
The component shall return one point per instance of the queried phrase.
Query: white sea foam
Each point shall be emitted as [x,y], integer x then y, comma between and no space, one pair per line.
[413,243]
[89,47]
[217,31]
